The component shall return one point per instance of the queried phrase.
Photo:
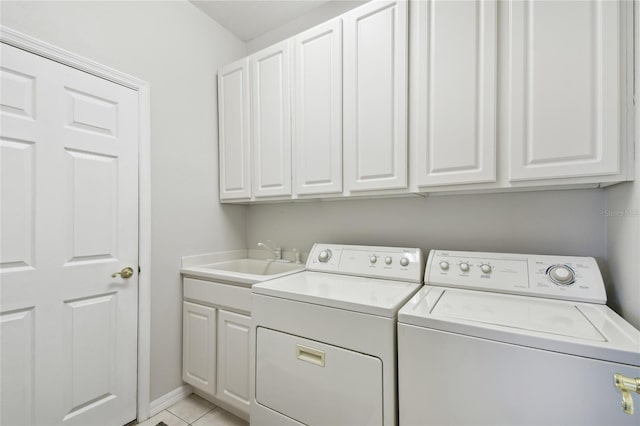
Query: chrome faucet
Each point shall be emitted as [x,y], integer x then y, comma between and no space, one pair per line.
[277,252]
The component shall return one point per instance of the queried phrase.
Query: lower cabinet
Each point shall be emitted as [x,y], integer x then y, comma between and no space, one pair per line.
[216,354]
[199,346]
[233,359]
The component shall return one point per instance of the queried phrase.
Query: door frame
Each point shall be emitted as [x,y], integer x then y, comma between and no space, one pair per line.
[49,51]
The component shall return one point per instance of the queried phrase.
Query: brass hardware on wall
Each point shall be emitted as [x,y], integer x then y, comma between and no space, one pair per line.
[626,385]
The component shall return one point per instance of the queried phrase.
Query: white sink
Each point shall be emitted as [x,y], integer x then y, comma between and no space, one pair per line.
[244,271]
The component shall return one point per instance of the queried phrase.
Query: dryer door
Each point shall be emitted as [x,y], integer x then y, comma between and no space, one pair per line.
[315,383]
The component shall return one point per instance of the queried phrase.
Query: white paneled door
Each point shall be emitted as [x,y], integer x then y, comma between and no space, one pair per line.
[69,219]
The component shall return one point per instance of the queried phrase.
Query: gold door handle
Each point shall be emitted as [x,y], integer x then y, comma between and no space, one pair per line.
[125,273]
[626,385]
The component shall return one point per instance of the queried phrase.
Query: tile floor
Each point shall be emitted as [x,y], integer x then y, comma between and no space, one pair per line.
[194,411]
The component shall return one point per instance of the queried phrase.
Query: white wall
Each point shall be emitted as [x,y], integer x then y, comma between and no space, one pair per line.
[622,217]
[546,222]
[316,16]
[177,48]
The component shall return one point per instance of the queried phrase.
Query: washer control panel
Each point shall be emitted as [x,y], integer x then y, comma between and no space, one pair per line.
[393,263]
[557,277]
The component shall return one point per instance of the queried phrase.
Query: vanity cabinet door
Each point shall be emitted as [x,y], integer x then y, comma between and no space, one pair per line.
[233,123]
[564,95]
[453,92]
[199,346]
[233,359]
[375,96]
[271,121]
[317,112]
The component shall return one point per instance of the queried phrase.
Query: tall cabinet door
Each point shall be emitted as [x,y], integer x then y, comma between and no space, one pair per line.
[271,125]
[564,93]
[375,96]
[233,123]
[233,359]
[317,112]
[199,346]
[453,91]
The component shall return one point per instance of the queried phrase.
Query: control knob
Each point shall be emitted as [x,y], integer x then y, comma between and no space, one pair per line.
[404,261]
[388,260]
[464,267]
[444,265]
[373,259]
[561,274]
[485,268]
[324,255]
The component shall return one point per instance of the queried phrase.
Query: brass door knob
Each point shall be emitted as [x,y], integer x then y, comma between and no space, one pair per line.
[125,273]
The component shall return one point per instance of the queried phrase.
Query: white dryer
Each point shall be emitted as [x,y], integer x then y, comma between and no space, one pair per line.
[324,340]
[509,339]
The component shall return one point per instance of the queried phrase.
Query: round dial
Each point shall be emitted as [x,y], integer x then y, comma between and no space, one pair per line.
[404,261]
[373,258]
[485,268]
[561,274]
[388,260]
[464,267]
[324,255]
[444,265]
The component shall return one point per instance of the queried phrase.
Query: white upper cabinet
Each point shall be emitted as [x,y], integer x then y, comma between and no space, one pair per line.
[234,122]
[271,121]
[317,112]
[453,92]
[564,93]
[375,96]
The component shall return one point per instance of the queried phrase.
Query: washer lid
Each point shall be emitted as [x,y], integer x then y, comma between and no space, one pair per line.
[581,329]
[366,295]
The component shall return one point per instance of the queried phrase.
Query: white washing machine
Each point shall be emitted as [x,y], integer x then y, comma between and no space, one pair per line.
[324,340]
[509,339]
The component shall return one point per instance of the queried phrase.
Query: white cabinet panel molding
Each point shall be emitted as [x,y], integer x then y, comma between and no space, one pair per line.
[233,359]
[375,96]
[317,112]
[199,346]
[271,121]
[453,92]
[564,88]
[234,124]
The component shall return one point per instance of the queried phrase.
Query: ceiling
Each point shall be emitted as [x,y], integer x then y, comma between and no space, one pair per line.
[248,19]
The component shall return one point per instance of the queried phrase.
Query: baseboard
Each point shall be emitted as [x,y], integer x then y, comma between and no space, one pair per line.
[168,399]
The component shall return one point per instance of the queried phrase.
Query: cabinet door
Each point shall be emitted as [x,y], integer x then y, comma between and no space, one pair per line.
[317,112]
[564,91]
[453,91]
[271,129]
[233,361]
[375,96]
[199,346]
[233,122]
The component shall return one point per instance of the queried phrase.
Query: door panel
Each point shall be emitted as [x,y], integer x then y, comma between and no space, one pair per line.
[454,91]
[271,130]
[199,346]
[233,360]
[375,96]
[234,122]
[564,91]
[69,144]
[18,367]
[317,116]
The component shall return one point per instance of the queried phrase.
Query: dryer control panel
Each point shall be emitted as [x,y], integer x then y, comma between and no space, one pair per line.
[392,263]
[557,277]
